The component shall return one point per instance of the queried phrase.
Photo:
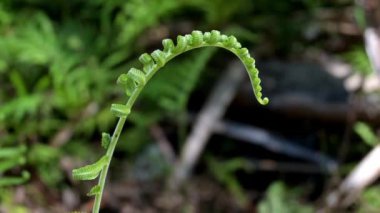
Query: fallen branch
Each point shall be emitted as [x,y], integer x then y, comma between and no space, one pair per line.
[163,143]
[268,165]
[371,33]
[214,108]
[274,143]
[366,172]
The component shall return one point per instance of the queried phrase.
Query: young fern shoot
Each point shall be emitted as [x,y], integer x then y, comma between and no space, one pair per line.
[134,81]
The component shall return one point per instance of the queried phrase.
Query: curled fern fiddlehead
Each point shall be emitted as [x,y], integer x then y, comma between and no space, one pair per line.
[134,81]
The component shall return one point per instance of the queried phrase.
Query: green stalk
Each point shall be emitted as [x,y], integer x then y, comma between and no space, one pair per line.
[110,151]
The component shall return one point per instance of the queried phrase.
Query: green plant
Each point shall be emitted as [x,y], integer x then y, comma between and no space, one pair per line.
[7,204]
[10,158]
[366,133]
[135,80]
[359,60]
[224,172]
[370,200]
[281,199]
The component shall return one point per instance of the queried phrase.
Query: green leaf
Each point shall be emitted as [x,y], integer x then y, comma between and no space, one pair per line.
[120,110]
[106,139]
[11,163]
[360,18]
[159,57]
[90,172]
[12,151]
[94,190]
[10,181]
[370,200]
[279,198]
[366,133]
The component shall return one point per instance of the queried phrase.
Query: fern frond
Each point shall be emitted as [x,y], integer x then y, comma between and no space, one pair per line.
[12,152]
[135,80]
[10,181]
[11,163]
[185,43]
[12,157]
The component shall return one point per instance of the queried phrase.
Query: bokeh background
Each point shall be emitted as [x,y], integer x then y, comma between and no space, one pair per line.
[304,152]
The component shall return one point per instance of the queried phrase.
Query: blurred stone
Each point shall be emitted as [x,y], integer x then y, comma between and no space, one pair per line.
[305,79]
[70,198]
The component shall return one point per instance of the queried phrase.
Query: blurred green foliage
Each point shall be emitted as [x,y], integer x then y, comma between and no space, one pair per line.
[366,133]
[370,200]
[11,157]
[279,198]
[59,61]
[225,173]
[359,60]
[8,204]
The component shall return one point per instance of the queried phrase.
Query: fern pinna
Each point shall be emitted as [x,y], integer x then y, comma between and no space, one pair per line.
[11,157]
[134,81]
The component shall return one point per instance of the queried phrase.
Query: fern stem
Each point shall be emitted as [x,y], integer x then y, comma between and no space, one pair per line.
[103,174]
[110,151]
